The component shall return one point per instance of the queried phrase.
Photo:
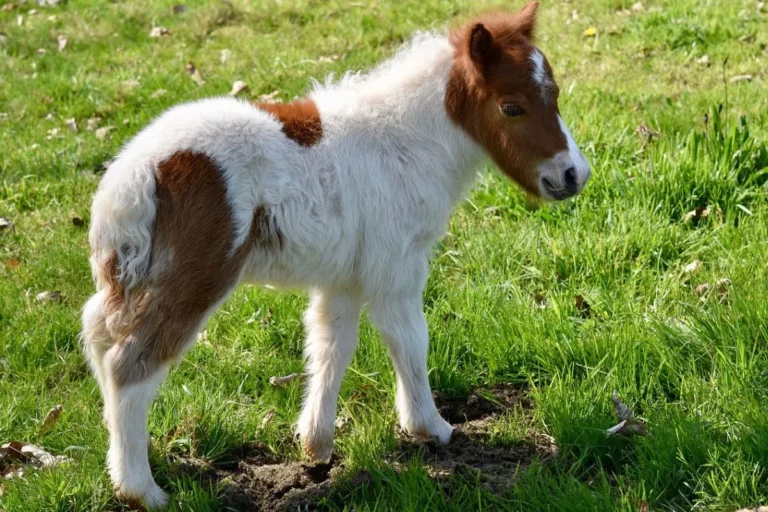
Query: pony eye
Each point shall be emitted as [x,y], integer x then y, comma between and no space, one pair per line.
[512,110]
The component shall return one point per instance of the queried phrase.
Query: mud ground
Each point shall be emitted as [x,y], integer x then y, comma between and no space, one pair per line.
[259,481]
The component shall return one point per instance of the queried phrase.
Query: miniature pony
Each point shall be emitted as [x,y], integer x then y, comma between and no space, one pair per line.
[343,193]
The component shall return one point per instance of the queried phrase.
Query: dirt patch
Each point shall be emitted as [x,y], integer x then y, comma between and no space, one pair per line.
[284,486]
[480,403]
[256,480]
[472,452]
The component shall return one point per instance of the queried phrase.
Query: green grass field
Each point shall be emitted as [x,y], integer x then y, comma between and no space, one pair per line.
[506,297]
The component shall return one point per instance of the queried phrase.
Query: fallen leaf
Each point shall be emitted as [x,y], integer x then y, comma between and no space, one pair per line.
[194,74]
[723,285]
[638,6]
[237,87]
[623,412]
[266,319]
[703,60]
[702,289]
[8,7]
[693,267]
[103,133]
[282,381]
[341,423]
[3,456]
[267,418]
[540,299]
[643,506]
[5,223]
[159,32]
[71,124]
[590,32]
[719,214]
[627,422]
[41,458]
[158,93]
[179,8]
[51,418]
[269,98]
[582,305]
[741,78]
[92,123]
[696,214]
[225,53]
[12,263]
[647,132]
[62,42]
[51,297]
[13,472]
[130,84]
[13,452]
[643,54]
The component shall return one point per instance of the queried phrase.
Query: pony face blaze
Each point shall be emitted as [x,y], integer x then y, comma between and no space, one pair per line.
[503,93]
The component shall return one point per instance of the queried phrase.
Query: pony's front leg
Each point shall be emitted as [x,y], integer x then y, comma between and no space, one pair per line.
[331,321]
[400,319]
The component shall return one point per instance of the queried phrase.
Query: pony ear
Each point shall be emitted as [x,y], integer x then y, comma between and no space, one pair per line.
[482,48]
[526,19]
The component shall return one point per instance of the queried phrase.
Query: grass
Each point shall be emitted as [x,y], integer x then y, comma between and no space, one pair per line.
[694,367]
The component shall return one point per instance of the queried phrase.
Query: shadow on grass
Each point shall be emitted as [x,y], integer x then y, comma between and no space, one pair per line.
[256,478]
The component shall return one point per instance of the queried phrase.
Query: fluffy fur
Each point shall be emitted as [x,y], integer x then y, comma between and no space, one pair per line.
[356,213]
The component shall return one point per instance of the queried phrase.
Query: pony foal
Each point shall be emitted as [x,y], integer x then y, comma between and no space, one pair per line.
[343,193]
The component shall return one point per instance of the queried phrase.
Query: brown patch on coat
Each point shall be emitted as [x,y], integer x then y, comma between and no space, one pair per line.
[192,268]
[300,119]
[492,66]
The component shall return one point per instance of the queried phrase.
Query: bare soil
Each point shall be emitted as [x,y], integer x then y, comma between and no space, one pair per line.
[258,481]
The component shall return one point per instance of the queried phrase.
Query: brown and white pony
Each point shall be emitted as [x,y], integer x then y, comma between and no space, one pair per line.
[343,193]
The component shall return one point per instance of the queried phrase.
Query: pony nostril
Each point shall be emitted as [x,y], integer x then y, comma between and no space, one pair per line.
[569,178]
[548,185]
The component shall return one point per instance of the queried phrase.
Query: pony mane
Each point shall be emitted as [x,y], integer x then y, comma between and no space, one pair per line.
[425,54]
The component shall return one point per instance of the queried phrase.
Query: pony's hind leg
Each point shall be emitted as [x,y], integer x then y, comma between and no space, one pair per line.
[96,342]
[128,457]
[154,319]
[133,371]
[125,406]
